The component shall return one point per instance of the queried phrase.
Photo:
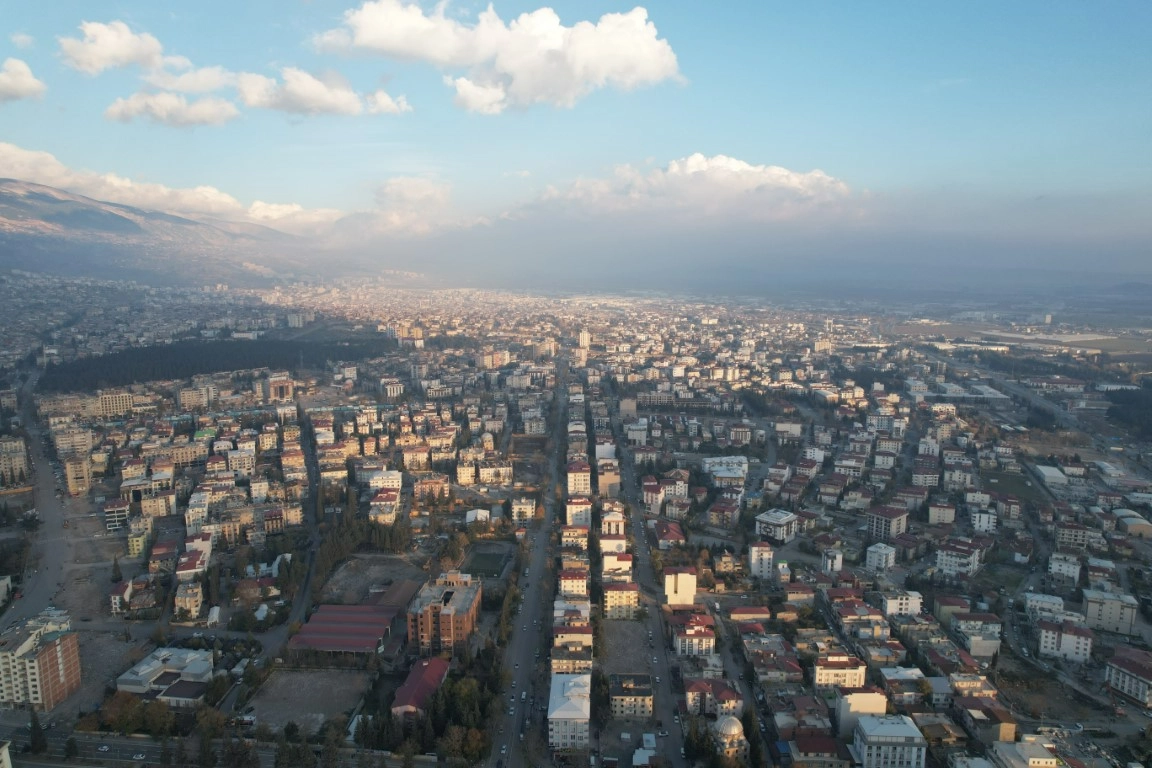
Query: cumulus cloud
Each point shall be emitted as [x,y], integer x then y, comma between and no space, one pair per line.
[531,60]
[113,45]
[201,80]
[21,40]
[18,82]
[380,103]
[303,93]
[172,109]
[707,186]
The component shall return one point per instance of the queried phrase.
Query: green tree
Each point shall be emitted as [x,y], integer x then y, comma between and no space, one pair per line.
[37,741]
[117,576]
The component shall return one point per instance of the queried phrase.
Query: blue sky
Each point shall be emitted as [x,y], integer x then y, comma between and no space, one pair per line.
[996,118]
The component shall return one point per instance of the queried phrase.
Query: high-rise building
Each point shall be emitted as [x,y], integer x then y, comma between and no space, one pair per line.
[444,613]
[39,662]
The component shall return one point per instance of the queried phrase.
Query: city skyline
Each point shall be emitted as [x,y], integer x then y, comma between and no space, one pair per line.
[748,136]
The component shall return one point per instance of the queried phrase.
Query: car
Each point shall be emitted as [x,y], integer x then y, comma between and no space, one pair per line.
[513,683]
[139,756]
[743,597]
[525,627]
[503,749]
[662,733]
[657,679]
[517,665]
[654,660]
[511,711]
[676,718]
[102,748]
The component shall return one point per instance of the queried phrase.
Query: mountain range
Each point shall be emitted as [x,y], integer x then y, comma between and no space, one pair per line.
[47,229]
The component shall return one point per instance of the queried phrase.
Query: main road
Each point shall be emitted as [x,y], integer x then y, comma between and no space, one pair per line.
[517,742]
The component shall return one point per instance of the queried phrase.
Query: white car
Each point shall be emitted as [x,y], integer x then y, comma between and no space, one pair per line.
[138,756]
[102,748]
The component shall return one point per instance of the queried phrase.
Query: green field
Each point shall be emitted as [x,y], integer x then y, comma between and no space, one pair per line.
[486,564]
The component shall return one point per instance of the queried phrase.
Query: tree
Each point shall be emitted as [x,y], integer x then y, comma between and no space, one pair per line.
[37,741]
[117,576]
[207,755]
[71,749]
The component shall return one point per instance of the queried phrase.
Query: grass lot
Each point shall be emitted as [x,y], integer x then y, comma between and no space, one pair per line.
[1017,485]
[486,564]
[994,576]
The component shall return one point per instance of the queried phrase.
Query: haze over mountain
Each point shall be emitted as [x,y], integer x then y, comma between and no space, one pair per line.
[730,147]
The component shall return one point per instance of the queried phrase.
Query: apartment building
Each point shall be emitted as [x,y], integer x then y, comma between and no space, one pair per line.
[888,741]
[621,600]
[1110,612]
[836,670]
[39,662]
[679,586]
[886,523]
[569,711]
[630,696]
[443,613]
[1129,673]
[760,559]
[1067,640]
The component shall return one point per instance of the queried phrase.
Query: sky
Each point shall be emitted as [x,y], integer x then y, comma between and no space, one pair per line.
[753,135]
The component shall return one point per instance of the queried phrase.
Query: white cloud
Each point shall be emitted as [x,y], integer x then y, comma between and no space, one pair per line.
[18,82]
[201,80]
[380,103]
[532,59]
[485,99]
[22,41]
[112,45]
[172,109]
[292,217]
[707,186]
[299,93]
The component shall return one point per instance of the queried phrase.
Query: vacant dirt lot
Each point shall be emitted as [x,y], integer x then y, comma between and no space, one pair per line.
[627,647]
[308,698]
[351,584]
[104,656]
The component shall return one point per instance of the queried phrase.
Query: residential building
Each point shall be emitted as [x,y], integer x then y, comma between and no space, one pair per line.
[1110,612]
[886,523]
[837,670]
[760,558]
[1022,754]
[1129,673]
[713,696]
[777,525]
[679,586]
[39,662]
[621,600]
[444,613]
[630,696]
[569,711]
[851,703]
[880,557]
[888,741]
[1067,641]
[189,598]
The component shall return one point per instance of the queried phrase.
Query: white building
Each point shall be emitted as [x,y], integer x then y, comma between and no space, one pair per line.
[1129,673]
[888,741]
[569,710]
[832,561]
[1065,565]
[900,603]
[1110,612]
[679,586]
[880,557]
[1067,641]
[760,558]
[777,525]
